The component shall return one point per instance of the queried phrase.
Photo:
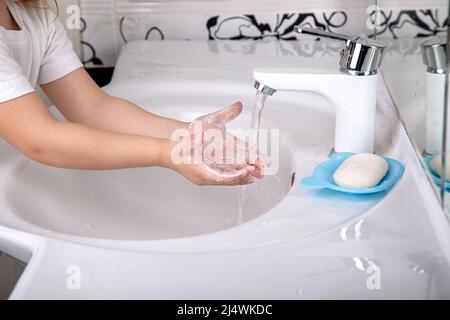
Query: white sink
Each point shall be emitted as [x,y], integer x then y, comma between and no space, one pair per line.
[286,242]
[156,204]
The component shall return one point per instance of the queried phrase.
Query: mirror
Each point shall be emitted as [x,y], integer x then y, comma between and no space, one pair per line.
[415,71]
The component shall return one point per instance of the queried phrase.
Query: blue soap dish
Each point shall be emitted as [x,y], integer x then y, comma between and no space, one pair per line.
[434,175]
[323,176]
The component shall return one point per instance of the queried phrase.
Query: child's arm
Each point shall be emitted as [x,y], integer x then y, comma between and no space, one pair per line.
[80,100]
[27,125]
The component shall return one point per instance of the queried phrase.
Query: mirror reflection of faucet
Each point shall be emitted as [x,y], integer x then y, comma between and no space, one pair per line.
[434,56]
[352,89]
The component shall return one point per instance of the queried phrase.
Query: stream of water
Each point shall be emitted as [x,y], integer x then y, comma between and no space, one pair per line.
[258,108]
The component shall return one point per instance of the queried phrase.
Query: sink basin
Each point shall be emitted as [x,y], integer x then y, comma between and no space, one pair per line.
[154,203]
[157,204]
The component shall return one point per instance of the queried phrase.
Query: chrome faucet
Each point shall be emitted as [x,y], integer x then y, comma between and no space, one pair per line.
[434,54]
[351,88]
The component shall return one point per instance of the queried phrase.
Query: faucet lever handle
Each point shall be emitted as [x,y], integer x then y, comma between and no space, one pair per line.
[361,55]
[322,33]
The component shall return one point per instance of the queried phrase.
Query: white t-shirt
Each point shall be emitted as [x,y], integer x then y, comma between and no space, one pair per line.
[38,54]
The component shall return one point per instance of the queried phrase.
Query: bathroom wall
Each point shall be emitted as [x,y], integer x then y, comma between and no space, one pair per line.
[108,24]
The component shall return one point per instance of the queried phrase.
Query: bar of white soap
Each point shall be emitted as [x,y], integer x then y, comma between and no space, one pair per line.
[436,165]
[360,171]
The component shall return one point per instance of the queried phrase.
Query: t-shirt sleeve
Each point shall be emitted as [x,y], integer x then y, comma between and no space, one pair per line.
[59,59]
[13,82]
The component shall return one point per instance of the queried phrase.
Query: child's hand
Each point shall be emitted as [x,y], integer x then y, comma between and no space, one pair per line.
[227,164]
[205,175]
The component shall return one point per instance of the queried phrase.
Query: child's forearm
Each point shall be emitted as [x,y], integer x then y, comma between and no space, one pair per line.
[68,145]
[27,124]
[82,101]
[121,116]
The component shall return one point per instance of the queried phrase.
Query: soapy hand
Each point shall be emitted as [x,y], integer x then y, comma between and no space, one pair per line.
[215,157]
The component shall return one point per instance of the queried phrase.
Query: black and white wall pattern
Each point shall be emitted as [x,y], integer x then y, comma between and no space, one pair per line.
[104,34]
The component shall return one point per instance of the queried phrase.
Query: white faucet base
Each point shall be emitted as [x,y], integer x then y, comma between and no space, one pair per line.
[353,96]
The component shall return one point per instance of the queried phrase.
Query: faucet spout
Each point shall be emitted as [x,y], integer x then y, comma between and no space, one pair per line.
[354,99]
[352,90]
[268,91]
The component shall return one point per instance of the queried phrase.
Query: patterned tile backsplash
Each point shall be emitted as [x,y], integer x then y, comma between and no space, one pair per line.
[108,24]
